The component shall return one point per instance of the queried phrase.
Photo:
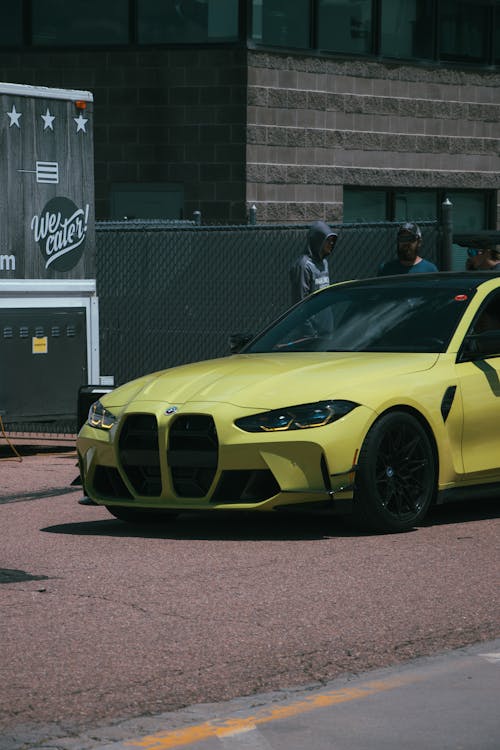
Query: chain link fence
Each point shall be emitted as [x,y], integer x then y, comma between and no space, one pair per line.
[171,295]
[173,292]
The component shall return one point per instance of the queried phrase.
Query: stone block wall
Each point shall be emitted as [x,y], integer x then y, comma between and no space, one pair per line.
[236,128]
[316,125]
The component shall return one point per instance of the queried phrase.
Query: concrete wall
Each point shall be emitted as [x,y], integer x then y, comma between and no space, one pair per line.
[315,125]
[286,133]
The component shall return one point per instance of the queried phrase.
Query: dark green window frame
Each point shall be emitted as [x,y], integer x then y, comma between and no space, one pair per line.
[435,37]
[457,32]
[390,199]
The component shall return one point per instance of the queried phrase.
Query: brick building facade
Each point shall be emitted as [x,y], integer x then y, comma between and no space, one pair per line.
[316,126]
[225,128]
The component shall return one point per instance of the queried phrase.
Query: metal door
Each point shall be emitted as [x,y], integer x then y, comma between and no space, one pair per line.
[43,362]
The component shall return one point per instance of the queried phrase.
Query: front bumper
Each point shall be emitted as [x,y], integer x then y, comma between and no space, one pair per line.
[200,460]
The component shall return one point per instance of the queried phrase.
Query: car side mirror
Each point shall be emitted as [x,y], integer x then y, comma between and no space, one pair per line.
[238,340]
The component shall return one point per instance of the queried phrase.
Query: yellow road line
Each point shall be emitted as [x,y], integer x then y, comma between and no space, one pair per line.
[225,727]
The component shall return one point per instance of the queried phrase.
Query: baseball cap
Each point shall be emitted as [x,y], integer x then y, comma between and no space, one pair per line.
[410,229]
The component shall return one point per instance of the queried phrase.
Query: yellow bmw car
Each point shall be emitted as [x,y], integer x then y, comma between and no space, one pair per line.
[376,398]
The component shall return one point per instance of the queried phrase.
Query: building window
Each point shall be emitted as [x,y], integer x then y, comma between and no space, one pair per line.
[449,30]
[345,26]
[411,204]
[146,201]
[93,22]
[470,212]
[363,204]
[11,28]
[464,30]
[471,208]
[407,29]
[186,21]
[281,23]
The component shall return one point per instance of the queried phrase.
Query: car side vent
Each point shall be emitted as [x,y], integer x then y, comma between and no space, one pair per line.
[447,402]
[139,454]
[193,452]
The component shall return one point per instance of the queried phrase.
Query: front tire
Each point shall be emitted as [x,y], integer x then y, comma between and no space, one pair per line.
[140,516]
[396,479]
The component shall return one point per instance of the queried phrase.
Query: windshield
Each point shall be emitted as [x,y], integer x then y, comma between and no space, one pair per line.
[369,318]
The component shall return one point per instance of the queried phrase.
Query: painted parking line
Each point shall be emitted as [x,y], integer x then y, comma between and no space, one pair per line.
[236,725]
[492,658]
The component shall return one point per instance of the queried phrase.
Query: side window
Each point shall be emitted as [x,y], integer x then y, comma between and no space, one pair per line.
[483,339]
[488,318]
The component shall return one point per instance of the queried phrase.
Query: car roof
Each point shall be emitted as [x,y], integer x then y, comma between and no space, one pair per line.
[449,279]
[481,238]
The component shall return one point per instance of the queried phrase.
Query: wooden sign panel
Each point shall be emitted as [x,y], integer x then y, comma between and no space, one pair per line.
[46,183]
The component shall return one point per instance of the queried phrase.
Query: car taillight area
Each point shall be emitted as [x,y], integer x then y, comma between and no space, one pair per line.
[193,452]
[139,454]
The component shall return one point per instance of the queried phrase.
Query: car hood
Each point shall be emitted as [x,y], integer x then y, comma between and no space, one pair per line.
[267,381]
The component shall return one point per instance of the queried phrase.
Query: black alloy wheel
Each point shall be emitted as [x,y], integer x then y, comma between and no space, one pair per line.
[396,477]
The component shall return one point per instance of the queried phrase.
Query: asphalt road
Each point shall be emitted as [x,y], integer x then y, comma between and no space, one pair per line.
[102,622]
[443,702]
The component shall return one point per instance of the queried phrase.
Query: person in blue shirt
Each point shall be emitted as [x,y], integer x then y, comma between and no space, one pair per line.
[409,241]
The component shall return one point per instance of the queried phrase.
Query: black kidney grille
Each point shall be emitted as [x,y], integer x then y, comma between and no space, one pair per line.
[139,454]
[193,450]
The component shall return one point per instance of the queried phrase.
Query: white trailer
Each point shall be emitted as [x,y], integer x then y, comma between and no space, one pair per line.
[49,319]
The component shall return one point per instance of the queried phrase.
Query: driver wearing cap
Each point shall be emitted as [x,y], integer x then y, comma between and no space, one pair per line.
[409,241]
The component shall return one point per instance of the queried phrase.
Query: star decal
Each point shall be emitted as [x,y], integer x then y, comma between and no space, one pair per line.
[14,117]
[80,123]
[48,119]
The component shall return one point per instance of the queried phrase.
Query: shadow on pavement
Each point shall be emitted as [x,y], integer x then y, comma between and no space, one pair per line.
[10,451]
[463,511]
[217,527]
[252,527]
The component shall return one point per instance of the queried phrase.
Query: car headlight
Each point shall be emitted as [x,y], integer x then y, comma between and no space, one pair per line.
[298,417]
[99,417]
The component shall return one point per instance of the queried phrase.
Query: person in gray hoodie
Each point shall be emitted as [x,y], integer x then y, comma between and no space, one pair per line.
[309,271]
